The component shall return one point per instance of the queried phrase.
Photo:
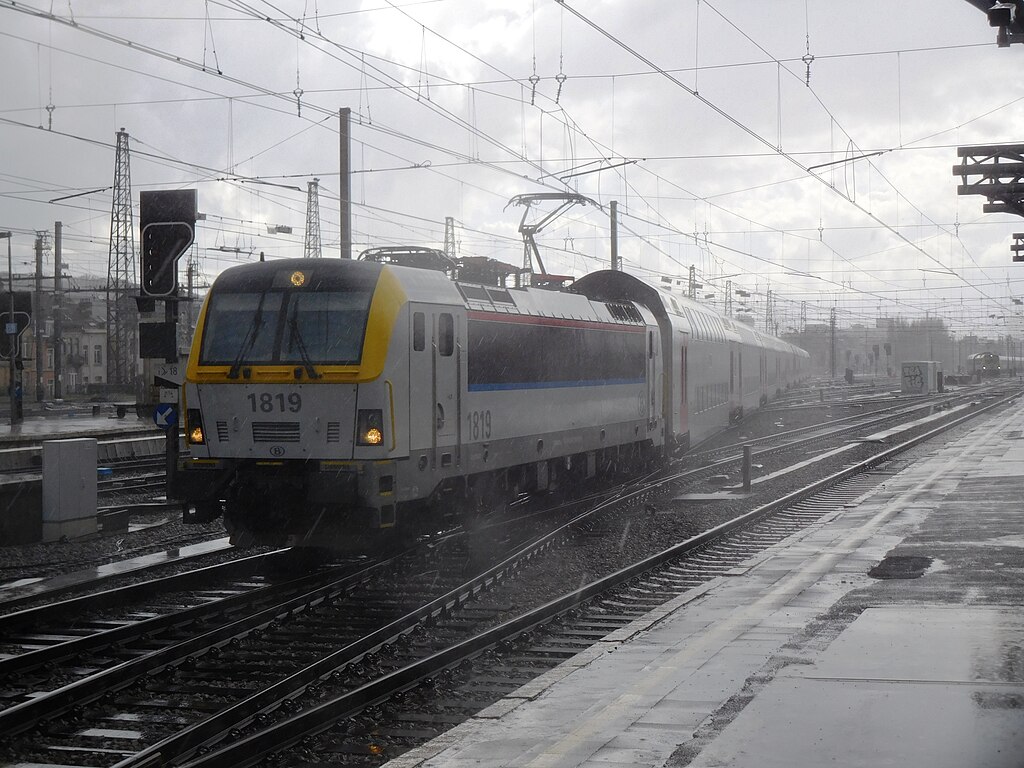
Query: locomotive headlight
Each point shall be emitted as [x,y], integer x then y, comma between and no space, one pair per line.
[194,427]
[369,427]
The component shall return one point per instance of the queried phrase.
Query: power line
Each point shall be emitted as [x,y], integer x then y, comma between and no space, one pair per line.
[746,129]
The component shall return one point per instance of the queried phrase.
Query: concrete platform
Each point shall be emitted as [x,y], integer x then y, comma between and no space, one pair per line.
[21,462]
[34,429]
[805,659]
[20,590]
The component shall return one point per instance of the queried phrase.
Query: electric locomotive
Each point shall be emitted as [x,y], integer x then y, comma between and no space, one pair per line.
[328,402]
[985,365]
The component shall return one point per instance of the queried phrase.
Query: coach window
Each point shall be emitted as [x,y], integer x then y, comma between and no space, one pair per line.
[419,334]
[693,325]
[445,334]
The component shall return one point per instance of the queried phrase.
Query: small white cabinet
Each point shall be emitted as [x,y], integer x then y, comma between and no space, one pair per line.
[69,488]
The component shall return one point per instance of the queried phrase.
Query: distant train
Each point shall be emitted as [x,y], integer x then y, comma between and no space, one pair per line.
[328,401]
[985,365]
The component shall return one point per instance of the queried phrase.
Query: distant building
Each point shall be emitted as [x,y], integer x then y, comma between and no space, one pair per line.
[880,349]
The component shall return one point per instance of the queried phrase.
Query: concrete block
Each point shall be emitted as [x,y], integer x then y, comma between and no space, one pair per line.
[69,488]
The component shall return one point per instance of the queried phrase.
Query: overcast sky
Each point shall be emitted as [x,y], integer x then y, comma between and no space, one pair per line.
[700,117]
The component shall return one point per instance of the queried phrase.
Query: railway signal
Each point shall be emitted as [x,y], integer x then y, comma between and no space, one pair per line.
[1017,246]
[21,321]
[13,328]
[163,243]
[167,219]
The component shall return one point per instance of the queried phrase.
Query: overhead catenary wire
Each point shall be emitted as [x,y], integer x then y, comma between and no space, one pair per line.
[744,128]
[437,166]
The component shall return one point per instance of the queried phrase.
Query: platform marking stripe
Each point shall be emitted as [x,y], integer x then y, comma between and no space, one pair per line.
[710,641]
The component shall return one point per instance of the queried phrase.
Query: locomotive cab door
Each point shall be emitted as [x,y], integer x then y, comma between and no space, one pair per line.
[653,376]
[684,416]
[434,373]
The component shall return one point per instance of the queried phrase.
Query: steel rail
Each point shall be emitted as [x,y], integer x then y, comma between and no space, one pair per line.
[156,625]
[249,750]
[119,595]
[807,440]
[193,738]
[866,420]
[48,705]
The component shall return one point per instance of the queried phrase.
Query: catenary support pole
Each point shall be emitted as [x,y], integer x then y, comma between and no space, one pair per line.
[58,314]
[345,169]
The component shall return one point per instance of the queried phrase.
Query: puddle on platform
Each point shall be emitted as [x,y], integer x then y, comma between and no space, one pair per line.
[901,567]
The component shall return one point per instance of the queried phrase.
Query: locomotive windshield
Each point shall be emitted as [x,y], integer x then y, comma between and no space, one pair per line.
[273,326]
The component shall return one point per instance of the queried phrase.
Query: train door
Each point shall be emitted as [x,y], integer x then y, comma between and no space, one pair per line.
[763,373]
[447,361]
[652,377]
[739,373]
[434,373]
[421,376]
[732,376]
[684,416]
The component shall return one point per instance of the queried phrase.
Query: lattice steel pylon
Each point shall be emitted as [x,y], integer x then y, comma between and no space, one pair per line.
[187,317]
[449,237]
[312,248]
[122,315]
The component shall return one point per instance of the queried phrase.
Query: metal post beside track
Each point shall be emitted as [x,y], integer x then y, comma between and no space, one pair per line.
[746,468]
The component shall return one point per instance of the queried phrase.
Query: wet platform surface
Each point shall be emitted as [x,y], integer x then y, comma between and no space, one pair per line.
[805,659]
[25,588]
[35,429]
[934,686]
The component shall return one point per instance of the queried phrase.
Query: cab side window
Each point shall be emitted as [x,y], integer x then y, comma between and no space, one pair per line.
[445,334]
[419,334]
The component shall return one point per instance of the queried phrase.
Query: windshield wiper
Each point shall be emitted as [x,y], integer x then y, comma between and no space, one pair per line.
[295,338]
[250,338]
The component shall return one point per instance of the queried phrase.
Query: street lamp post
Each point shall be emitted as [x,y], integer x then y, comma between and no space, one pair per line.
[12,333]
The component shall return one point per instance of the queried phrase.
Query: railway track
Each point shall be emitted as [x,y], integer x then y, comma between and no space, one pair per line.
[846,428]
[104,625]
[416,692]
[366,654]
[415,698]
[147,481]
[265,644]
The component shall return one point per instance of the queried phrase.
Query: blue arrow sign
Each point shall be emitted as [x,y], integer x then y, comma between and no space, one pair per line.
[165,415]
